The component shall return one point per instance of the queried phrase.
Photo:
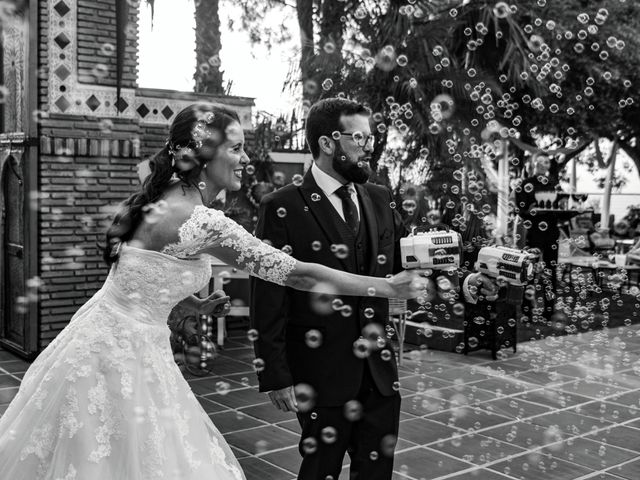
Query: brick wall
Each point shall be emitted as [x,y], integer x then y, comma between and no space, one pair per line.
[82,181]
[97,42]
[153,139]
[84,173]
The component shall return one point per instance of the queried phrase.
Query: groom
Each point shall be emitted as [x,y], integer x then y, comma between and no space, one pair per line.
[335,352]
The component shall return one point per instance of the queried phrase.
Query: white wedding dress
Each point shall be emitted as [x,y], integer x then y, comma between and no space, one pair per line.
[105,400]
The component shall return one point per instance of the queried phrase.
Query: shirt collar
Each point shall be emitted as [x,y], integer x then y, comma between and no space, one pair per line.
[326,182]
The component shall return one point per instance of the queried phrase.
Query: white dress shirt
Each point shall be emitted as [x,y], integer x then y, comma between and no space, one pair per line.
[330,185]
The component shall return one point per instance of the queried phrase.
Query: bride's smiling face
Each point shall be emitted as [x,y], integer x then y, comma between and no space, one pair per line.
[225,169]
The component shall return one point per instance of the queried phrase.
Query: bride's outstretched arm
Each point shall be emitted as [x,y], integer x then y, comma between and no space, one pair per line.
[209,231]
[246,252]
[312,276]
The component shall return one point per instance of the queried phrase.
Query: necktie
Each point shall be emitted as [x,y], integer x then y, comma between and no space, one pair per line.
[349,209]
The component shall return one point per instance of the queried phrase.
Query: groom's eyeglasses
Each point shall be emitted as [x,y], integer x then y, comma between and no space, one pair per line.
[361,139]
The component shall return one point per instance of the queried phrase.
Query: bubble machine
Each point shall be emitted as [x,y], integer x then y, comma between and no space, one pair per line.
[513,267]
[438,250]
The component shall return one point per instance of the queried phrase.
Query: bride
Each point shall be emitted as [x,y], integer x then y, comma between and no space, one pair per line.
[105,399]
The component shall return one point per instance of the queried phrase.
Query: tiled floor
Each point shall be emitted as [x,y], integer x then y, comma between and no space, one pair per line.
[561,408]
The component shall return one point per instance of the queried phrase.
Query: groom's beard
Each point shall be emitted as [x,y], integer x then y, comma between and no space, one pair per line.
[349,170]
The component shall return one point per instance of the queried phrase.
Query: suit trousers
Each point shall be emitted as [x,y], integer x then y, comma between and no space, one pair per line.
[370,441]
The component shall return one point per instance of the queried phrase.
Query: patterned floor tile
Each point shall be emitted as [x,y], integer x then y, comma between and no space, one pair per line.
[460,375]
[514,407]
[246,379]
[424,404]
[611,412]
[480,474]
[538,467]
[629,399]
[422,432]
[419,383]
[628,471]
[7,394]
[288,458]
[243,354]
[257,469]
[589,453]
[590,389]
[228,366]
[268,413]
[8,381]
[239,453]
[210,406]
[427,463]
[505,386]
[14,366]
[618,436]
[547,378]
[244,397]
[553,398]
[465,394]
[526,435]
[468,418]
[262,439]
[570,423]
[476,448]
[207,385]
[292,425]
[233,420]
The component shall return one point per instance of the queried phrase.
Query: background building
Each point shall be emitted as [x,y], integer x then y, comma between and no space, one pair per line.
[69,150]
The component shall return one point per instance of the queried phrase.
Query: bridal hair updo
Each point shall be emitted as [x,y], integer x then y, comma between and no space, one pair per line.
[194,135]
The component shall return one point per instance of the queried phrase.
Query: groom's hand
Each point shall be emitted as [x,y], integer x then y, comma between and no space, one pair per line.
[480,284]
[284,399]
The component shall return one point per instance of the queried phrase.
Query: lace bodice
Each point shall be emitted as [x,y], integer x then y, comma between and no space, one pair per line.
[152,283]
[209,231]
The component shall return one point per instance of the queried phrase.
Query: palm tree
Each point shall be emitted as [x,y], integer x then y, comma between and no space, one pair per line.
[208,76]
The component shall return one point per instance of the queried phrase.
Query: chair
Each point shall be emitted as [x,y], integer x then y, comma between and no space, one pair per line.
[221,273]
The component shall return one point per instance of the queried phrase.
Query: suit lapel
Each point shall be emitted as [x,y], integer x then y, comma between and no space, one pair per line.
[322,210]
[372,225]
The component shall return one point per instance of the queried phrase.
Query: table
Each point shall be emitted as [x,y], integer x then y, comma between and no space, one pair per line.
[597,266]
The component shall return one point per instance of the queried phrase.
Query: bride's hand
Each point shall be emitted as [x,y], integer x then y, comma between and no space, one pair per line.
[217,304]
[411,283]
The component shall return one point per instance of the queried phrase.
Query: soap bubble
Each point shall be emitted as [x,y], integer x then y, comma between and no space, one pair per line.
[313,338]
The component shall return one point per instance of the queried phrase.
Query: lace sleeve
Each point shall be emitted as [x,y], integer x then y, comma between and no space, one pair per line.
[209,231]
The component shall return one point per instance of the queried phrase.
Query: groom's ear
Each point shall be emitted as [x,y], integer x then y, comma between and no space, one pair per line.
[326,145]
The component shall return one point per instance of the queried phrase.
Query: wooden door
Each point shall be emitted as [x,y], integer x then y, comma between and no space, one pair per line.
[13,303]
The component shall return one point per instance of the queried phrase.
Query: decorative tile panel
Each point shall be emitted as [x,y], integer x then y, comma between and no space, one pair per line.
[61,8]
[66,93]
[148,106]
[161,109]
[14,38]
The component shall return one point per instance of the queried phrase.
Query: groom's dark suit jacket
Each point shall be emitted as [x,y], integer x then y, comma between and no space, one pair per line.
[283,315]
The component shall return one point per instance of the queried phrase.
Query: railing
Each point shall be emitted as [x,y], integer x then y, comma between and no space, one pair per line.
[283,134]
